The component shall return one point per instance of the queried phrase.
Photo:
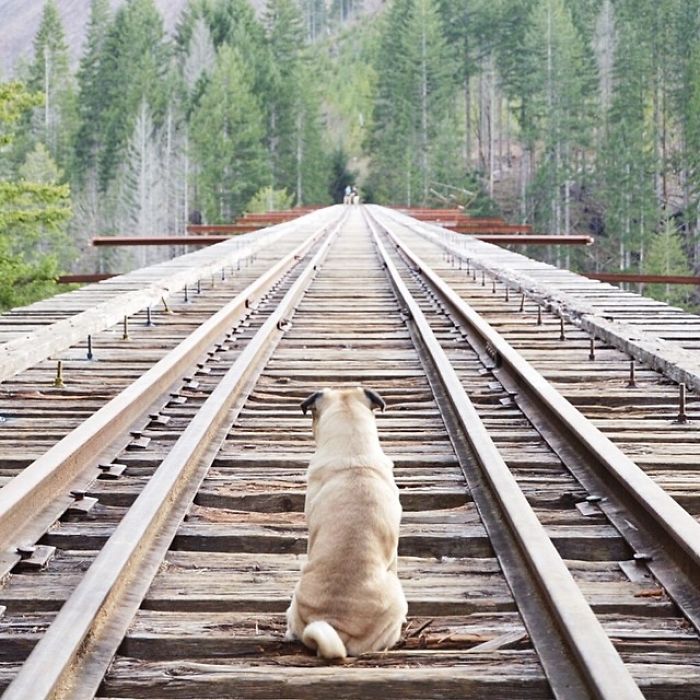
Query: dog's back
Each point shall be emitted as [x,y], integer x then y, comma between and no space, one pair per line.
[349,582]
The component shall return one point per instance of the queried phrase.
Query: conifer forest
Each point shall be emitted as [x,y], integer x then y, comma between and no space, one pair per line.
[576,116]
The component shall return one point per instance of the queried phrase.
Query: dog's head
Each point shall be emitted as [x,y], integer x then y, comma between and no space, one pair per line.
[357,400]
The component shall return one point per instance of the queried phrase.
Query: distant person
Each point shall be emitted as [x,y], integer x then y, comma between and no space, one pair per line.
[348,194]
[354,196]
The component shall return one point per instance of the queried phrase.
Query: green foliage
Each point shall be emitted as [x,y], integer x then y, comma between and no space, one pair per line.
[133,67]
[667,257]
[14,101]
[268,199]
[227,136]
[414,103]
[56,121]
[32,216]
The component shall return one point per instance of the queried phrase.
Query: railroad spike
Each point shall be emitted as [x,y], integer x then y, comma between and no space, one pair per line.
[58,381]
[682,416]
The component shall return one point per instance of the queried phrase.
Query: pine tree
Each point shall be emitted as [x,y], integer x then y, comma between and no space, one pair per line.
[415,94]
[227,133]
[285,40]
[560,110]
[667,257]
[32,214]
[134,67]
[56,120]
[89,139]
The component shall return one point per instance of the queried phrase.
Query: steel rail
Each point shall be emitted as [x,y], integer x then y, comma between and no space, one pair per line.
[26,350]
[29,502]
[668,357]
[665,536]
[584,663]
[72,657]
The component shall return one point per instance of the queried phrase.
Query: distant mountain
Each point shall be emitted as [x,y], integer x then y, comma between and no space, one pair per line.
[19,21]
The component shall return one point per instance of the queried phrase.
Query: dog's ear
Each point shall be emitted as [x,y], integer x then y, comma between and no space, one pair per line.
[376,400]
[308,403]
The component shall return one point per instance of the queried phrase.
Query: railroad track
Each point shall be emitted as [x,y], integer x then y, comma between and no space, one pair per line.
[531,571]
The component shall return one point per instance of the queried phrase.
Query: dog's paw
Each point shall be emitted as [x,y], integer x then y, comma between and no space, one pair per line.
[289,636]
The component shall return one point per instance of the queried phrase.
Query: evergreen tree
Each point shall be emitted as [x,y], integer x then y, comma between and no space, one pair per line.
[134,67]
[560,107]
[667,257]
[56,120]
[285,39]
[89,139]
[32,214]
[414,99]
[227,134]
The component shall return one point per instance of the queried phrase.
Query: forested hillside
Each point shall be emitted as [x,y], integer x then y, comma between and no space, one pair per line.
[573,115]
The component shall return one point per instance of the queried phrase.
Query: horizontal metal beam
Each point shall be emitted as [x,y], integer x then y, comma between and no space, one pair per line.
[501,239]
[157,240]
[647,279]
[533,239]
[85,278]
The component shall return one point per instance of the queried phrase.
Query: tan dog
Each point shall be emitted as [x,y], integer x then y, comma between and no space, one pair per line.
[349,599]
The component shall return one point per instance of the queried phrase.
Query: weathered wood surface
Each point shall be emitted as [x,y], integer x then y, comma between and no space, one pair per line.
[21,350]
[212,621]
[589,302]
[597,387]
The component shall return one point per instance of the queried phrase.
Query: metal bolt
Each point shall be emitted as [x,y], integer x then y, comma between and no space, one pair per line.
[507,293]
[125,334]
[562,335]
[632,383]
[493,286]
[89,348]
[186,295]
[149,320]
[58,381]
[483,278]
[539,315]
[223,274]
[682,415]
[591,349]
[25,551]
[199,286]
[468,265]
[522,302]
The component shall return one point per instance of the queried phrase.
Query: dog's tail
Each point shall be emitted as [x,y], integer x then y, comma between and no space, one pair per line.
[328,643]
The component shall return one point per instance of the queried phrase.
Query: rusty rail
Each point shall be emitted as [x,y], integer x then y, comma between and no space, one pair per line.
[665,534]
[583,663]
